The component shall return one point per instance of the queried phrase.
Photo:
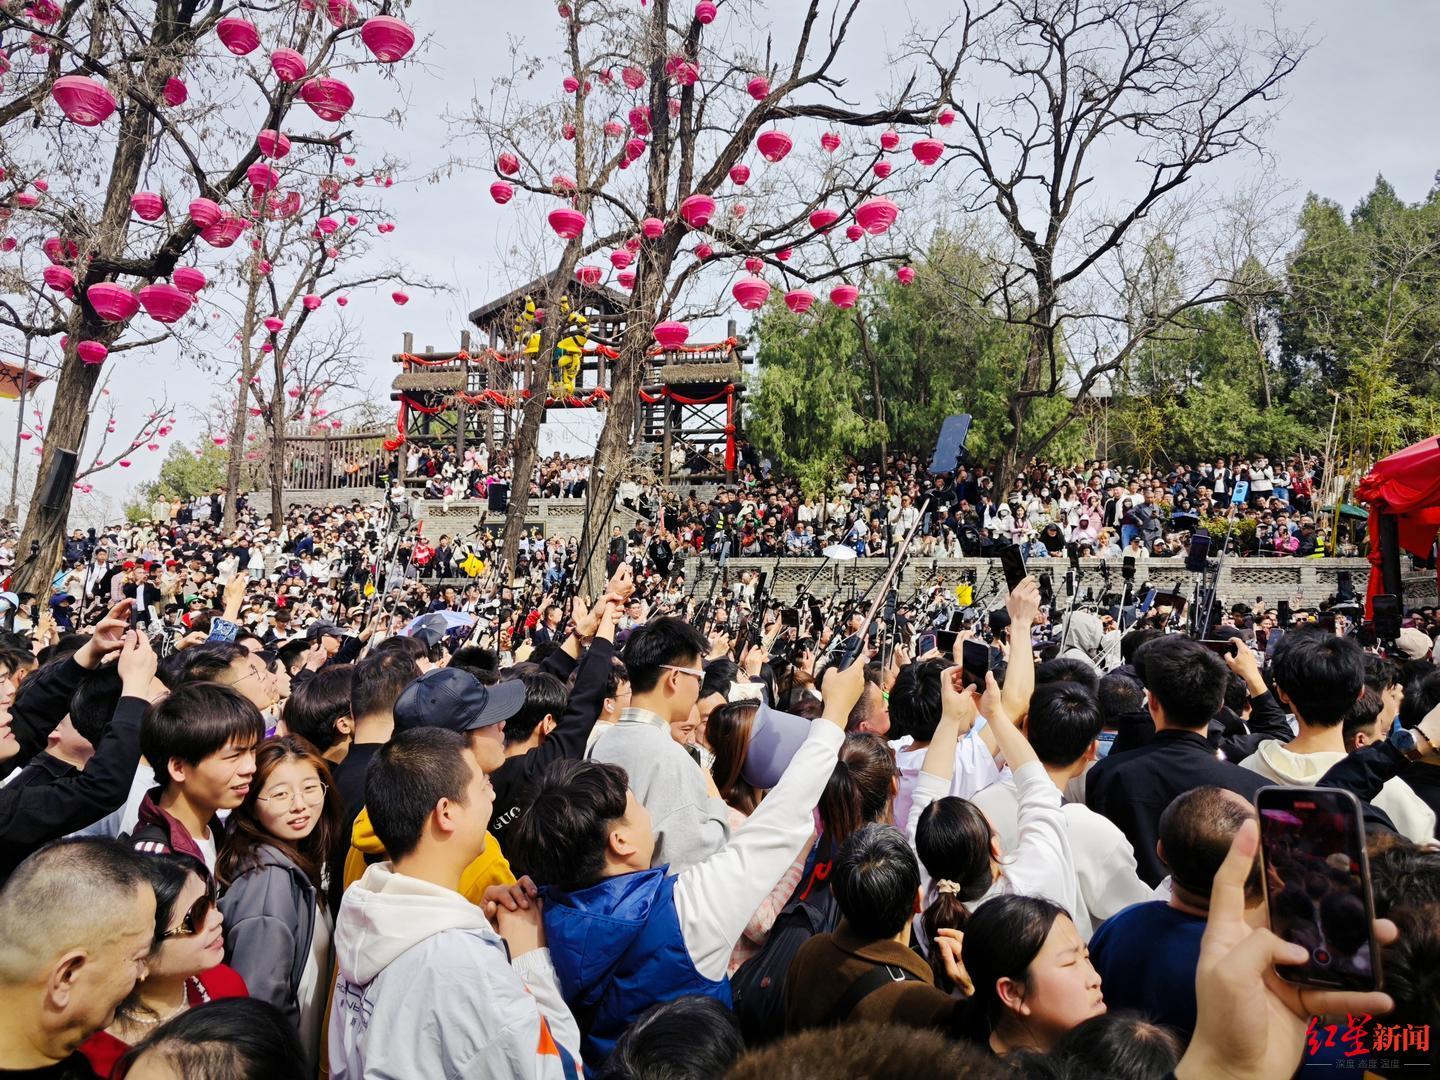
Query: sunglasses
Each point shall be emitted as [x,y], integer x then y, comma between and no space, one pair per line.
[195,918]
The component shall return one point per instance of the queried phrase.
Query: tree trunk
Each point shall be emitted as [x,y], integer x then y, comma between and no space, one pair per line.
[277,443]
[237,447]
[522,464]
[45,527]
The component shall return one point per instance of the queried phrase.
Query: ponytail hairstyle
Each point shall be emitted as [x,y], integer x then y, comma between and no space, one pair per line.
[728,733]
[946,912]
[860,787]
[953,840]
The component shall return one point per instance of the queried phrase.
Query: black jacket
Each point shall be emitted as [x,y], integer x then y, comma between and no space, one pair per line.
[1133,788]
[1364,773]
[1233,737]
[513,779]
[55,800]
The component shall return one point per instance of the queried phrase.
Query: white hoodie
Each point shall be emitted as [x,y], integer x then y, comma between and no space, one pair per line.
[1281,765]
[421,970]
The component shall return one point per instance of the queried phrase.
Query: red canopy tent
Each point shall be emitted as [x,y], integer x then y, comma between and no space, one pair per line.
[1403,491]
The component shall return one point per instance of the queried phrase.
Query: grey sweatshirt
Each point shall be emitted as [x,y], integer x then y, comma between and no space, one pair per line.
[689,826]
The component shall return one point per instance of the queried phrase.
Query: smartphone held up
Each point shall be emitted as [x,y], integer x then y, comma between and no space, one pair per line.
[1317,885]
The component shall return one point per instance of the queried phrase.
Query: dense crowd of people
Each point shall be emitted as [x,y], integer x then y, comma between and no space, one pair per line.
[286,801]
[1095,508]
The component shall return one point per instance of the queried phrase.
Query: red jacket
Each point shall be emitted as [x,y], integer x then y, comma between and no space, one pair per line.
[104,1050]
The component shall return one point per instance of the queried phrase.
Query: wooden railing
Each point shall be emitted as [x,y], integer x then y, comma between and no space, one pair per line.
[324,462]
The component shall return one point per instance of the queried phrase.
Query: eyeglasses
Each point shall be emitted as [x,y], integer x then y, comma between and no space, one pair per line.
[312,793]
[685,671]
[199,913]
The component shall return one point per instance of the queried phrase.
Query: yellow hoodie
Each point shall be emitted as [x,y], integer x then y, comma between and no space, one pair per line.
[491,868]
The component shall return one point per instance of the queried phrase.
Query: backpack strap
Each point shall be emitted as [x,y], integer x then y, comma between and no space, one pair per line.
[876,978]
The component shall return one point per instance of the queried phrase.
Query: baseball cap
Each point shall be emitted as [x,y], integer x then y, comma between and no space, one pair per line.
[1414,644]
[456,700]
[323,629]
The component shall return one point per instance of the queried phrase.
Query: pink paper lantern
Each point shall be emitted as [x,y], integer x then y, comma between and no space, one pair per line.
[653,228]
[823,218]
[946,118]
[124,463]
[400,298]
[567,132]
[224,232]
[205,212]
[784,254]
[739,174]
[84,101]
[705,12]
[889,139]
[274,324]
[589,275]
[751,292]
[342,300]
[311,301]
[906,275]
[882,169]
[218,440]
[508,163]
[570,84]
[799,300]
[626,278]
[853,233]
[59,278]
[614,129]
[697,210]
[633,77]
[147,205]
[830,142]
[189,279]
[273,144]
[621,259]
[91,352]
[671,335]
[327,225]
[876,215]
[773,145]
[703,251]
[27,200]
[262,177]
[152,446]
[289,66]
[238,35]
[341,13]
[502,192]
[754,264]
[632,244]
[634,148]
[388,38]
[113,303]
[176,93]
[758,88]
[567,223]
[928,151]
[60,251]
[844,296]
[329,99]
[563,184]
[8,243]
[640,119]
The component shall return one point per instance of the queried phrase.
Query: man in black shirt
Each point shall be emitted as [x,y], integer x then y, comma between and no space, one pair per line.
[1186,684]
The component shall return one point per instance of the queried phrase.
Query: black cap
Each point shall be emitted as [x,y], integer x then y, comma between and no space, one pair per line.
[456,700]
[323,629]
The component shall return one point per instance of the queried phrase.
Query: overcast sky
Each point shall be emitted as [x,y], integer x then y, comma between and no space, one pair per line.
[1361,104]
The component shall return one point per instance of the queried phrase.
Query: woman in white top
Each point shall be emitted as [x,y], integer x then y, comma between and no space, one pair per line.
[957,844]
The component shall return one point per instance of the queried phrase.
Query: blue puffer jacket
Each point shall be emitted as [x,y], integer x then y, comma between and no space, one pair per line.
[618,948]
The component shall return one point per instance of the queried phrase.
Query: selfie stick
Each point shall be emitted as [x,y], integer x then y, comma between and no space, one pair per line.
[849,655]
[1070,615]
